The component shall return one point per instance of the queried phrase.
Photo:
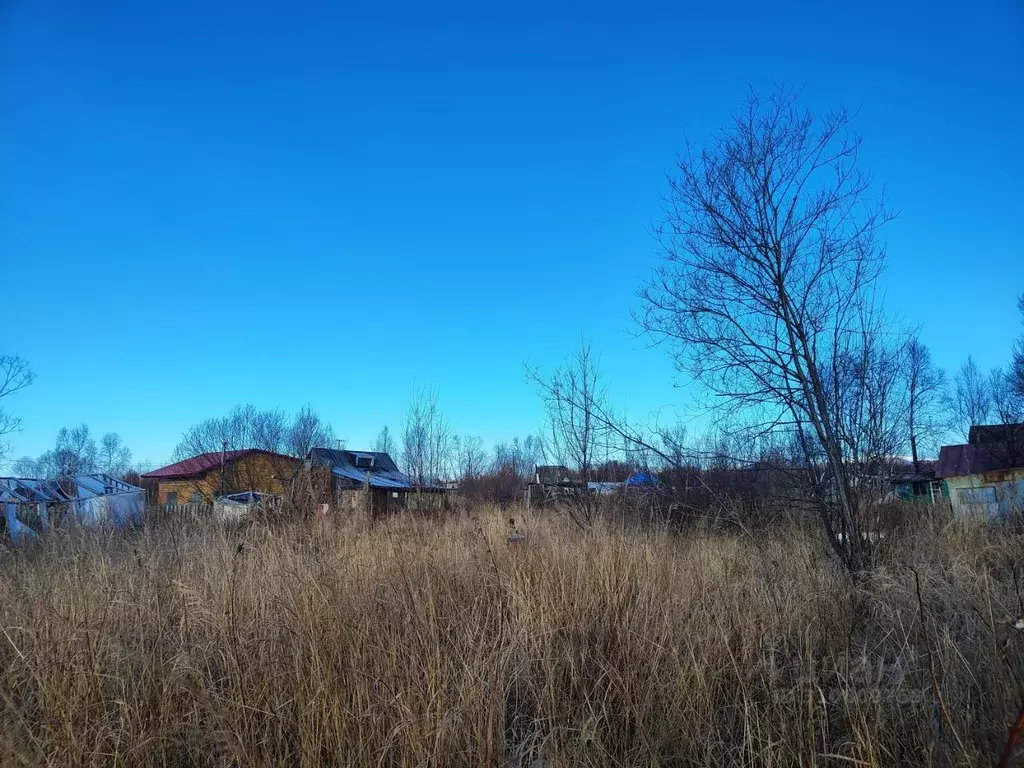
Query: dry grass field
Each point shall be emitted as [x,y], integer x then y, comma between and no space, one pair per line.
[421,642]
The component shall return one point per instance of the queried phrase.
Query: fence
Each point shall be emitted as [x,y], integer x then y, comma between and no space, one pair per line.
[168,512]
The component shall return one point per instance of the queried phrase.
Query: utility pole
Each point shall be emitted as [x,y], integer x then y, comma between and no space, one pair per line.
[223,462]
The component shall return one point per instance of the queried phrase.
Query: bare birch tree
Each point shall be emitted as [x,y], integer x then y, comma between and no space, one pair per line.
[769,263]
[426,439]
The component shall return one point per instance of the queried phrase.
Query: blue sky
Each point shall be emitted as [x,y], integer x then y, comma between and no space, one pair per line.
[204,204]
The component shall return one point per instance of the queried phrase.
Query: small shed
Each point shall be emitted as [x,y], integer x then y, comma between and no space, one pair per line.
[984,479]
[367,480]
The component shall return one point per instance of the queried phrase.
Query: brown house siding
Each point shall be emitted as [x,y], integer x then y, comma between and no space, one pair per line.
[254,472]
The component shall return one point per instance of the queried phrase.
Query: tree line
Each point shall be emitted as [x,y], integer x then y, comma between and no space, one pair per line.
[765,295]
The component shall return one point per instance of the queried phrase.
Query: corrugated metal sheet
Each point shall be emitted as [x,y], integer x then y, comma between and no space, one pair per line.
[377,479]
[384,474]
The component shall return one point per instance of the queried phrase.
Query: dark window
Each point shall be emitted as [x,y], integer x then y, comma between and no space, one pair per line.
[172,497]
[364,462]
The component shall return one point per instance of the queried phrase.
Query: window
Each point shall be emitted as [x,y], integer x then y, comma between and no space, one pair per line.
[172,498]
[364,462]
[196,498]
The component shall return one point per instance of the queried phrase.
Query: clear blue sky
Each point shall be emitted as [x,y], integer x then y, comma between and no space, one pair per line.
[210,203]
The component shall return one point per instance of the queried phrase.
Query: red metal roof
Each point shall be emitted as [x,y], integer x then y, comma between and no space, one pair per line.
[204,462]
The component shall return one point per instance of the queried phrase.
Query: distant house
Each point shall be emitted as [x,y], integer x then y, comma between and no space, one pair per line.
[202,479]
[552,482]
[986,475]
[553,474]
[366,480]
[919,485]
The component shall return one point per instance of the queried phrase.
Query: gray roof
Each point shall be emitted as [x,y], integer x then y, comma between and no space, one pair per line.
[384,474]
[30,490]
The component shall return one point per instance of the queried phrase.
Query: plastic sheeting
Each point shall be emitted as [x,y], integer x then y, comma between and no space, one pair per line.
[123,510]
[93,500]
[18,531]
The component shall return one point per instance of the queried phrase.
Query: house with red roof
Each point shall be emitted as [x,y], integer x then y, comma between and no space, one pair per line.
[203,478]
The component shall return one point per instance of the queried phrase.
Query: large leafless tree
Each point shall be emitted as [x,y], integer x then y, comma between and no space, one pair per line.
[765,288]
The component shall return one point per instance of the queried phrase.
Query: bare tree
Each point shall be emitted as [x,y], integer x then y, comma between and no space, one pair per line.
[26,466]
[1018,355]
[471,458]
[1007,403]
[426,439]
[74,454]
[871,400]
[766,285]
[926,393]
[113,457]
[307,431]
[14,377]
[972,401]
[519,456]
[247,427]
[385,443]
[575,397]
[576,401]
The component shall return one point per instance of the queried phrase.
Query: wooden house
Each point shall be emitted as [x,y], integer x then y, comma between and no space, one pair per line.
[202,479]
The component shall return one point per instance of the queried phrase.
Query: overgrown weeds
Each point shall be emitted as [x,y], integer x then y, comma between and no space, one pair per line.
[437,642]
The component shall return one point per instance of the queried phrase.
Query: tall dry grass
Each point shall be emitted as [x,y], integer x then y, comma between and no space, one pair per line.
[435,643]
